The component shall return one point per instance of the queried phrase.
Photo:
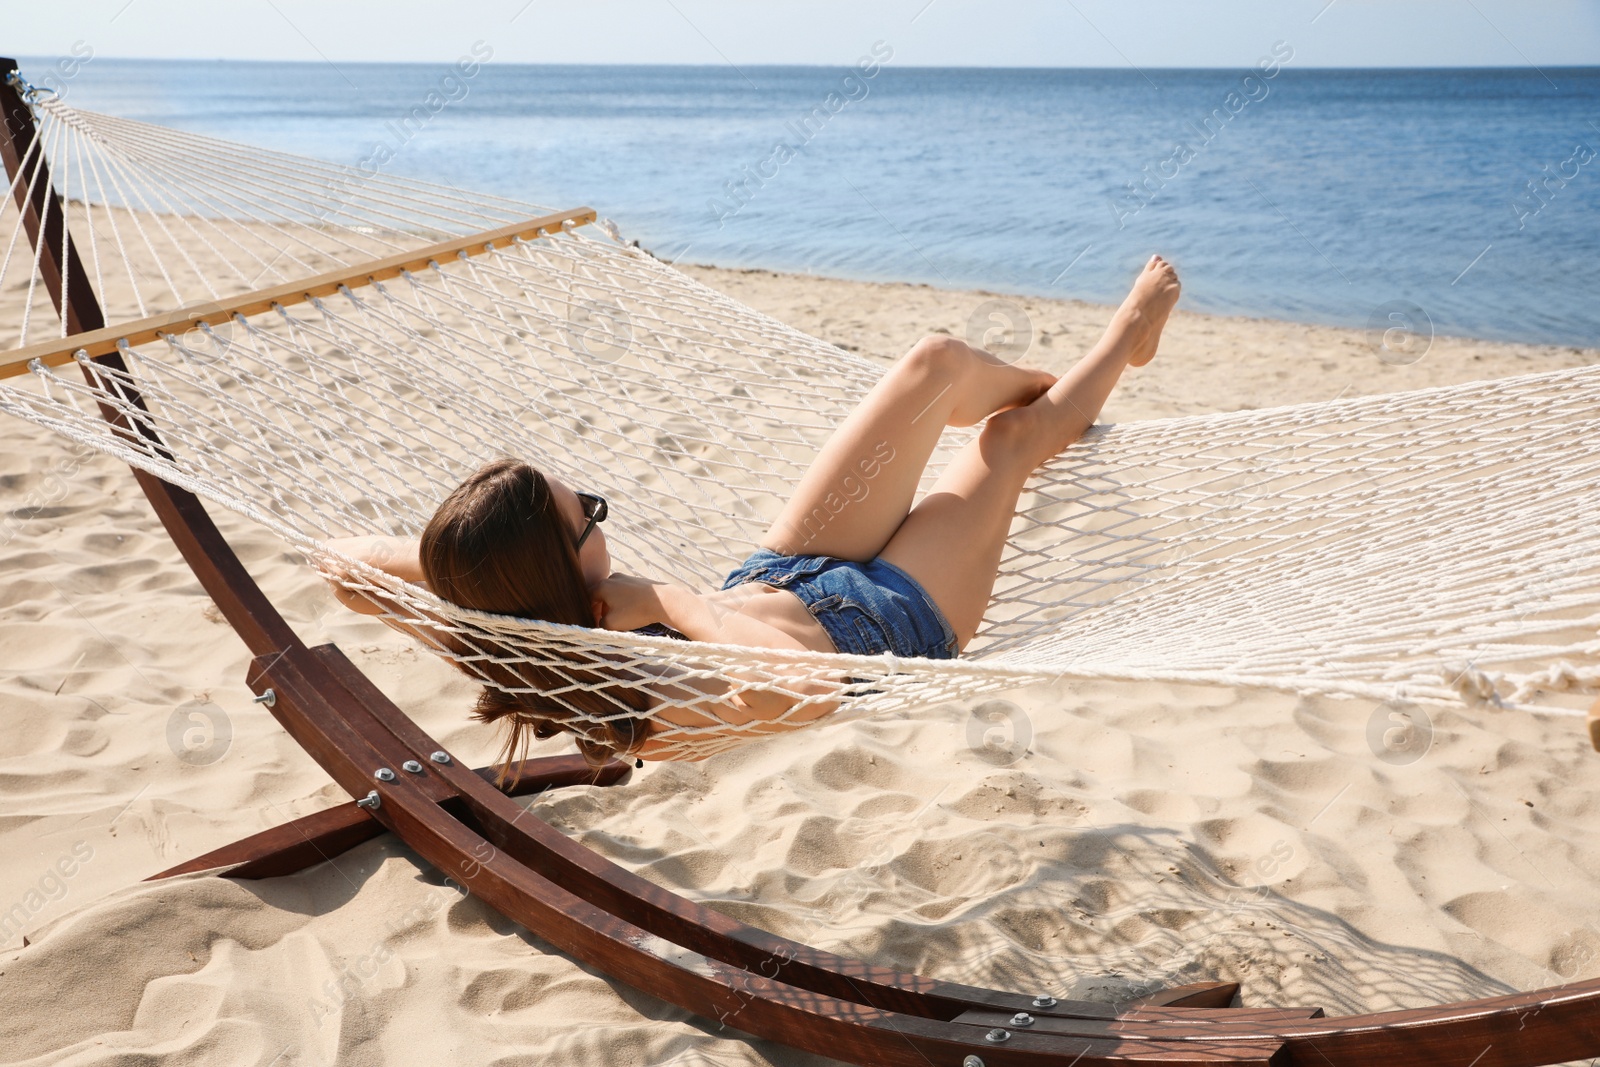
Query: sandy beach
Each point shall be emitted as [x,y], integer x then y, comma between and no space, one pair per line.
[1152,835]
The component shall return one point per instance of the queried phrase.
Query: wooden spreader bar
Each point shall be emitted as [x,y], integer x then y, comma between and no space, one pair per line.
[104,341]
[632,930]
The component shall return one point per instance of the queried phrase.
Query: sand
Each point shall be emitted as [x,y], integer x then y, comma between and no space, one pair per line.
[1150,835]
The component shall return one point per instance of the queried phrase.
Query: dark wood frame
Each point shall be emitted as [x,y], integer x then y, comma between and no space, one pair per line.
[744,978]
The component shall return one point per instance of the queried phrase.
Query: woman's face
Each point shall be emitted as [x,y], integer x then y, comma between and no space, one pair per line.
[594,558]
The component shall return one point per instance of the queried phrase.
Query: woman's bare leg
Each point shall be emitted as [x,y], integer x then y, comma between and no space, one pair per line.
[859,488]
[951,542]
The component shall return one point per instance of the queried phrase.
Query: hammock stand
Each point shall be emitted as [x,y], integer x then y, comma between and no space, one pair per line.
[638,933]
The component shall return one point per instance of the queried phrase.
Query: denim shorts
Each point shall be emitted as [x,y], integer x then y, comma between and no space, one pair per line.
[866,608]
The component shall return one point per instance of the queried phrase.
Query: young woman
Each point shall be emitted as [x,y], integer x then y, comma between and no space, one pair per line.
[870,576]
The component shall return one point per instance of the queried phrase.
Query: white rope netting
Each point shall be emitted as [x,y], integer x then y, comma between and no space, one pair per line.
[1433,546]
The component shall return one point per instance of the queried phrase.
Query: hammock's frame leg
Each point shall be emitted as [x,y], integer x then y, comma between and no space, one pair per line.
[713,966]
[316,838]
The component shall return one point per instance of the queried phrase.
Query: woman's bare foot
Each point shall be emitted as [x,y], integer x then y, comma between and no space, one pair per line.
[1144,313]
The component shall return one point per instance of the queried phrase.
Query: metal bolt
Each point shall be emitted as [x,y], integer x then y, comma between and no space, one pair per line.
[383,774]
[972,1061]
[1022,1018]
[997,1035]
[371,801]
[269,698]
[413,766]
[1044,1002]
[440,757]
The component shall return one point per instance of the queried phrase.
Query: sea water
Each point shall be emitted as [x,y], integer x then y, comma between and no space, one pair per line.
[1465,201]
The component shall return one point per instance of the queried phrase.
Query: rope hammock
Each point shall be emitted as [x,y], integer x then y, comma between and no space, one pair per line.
[1434,546]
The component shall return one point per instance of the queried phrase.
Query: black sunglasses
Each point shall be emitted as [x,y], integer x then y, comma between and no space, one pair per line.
[594,509]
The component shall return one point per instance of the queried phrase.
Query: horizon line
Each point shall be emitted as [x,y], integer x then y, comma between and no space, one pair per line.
[1128,69]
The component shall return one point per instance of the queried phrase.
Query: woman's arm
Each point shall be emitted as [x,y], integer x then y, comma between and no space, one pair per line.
[400,556]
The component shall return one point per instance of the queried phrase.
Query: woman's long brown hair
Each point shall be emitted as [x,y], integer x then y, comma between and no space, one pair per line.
[498,543]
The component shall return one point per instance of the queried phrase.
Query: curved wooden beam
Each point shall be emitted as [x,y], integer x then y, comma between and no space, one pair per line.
[1195,995]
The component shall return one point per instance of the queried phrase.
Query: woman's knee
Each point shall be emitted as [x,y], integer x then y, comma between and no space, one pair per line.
[939,356]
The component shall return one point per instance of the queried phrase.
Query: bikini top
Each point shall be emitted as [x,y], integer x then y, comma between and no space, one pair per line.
[660,629]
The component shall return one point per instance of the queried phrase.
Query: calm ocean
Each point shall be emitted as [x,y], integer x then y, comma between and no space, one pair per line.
[1313,195]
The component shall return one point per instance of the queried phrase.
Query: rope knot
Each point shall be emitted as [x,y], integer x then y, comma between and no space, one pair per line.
[1562,676]
[1475,687]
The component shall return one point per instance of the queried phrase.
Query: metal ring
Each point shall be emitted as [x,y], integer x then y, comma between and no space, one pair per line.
[25,88]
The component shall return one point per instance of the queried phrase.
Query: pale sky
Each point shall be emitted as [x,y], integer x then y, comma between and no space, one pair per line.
[1051,33]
